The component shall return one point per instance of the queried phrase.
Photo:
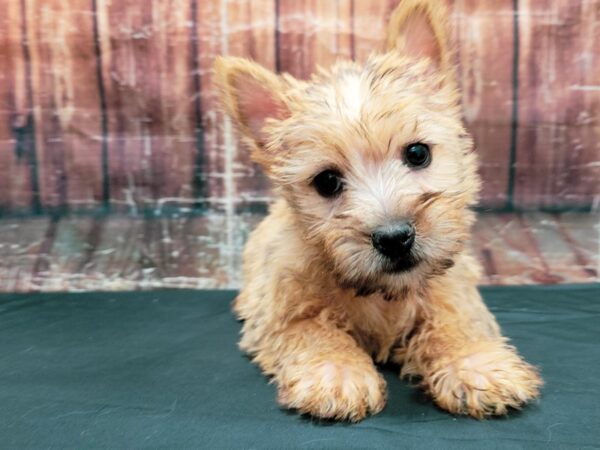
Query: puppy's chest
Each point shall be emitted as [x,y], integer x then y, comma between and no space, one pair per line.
[380,327]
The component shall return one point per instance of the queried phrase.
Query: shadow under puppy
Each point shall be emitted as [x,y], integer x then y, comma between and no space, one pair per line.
[365,254]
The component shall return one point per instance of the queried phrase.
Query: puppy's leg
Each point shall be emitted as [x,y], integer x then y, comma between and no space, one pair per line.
[466,365]
[320,370]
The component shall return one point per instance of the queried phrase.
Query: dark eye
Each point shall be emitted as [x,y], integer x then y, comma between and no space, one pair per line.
[417,155]
[328,183]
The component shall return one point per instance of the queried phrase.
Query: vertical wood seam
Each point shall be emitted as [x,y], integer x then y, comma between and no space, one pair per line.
[277,36]
[198,182]
[36,205]
[514,126]
[103,112]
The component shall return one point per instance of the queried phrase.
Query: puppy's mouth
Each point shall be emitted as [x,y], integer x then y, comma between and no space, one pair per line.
[402,265]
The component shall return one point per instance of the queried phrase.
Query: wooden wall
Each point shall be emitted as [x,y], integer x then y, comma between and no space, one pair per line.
[111,103]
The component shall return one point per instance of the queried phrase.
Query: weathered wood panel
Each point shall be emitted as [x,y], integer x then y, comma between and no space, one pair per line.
[484,42]
[313,33]
[369,19]
[147,74]
[66,103]
[558,146]
[122,253]
[17,150]
[21,241]
[250,33]
[131,82]
[239,28]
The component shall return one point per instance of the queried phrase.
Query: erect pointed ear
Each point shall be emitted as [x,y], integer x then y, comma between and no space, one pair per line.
[419,28]
[251,94]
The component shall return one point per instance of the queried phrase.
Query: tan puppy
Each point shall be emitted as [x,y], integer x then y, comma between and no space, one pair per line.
[365,255]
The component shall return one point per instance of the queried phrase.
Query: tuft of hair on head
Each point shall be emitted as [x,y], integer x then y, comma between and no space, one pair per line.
[419,29]
[252,95]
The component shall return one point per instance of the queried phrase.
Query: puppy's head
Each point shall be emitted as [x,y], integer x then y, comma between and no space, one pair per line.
[374,160]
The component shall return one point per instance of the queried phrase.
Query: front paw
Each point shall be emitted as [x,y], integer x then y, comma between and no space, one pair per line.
[331,390]
[485,383]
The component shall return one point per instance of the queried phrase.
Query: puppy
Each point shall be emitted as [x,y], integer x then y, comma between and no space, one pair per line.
[364,257]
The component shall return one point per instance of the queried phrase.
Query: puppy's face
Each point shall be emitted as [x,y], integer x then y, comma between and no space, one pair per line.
[374,160]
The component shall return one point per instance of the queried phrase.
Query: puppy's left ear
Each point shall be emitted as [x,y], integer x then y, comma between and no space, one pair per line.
[252,96]
[419,28]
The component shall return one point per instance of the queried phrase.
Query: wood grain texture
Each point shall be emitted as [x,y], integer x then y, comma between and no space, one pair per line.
[582,233]
[313,33]
[17,149]
[484,43]
[211,25]
[84,80]
[369,19]
[67,109]
[250,33]
[147,75]
[239,28]
[558,146]
[21,242]
[123,253]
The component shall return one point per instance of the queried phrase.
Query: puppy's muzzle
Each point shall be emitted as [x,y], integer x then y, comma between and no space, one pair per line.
[394,241]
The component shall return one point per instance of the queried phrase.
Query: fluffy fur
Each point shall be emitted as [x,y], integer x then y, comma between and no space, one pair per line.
[320,305]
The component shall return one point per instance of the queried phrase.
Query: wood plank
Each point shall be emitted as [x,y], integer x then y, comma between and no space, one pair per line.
[582,232]
[17,152]
[516,256]
[99,254]
[484,38]
[251,34]
[559,103]
[483,239]
[192,252]
[558,253]
[217,141]
[61,270]
[116,262]
[147,72]
[67,107]
[313,33]
[120,253]
[21,241]
[241,28]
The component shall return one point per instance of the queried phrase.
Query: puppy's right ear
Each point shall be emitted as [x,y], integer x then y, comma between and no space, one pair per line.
[252,96]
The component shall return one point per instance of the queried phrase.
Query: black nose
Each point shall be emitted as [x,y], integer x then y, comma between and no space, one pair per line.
[394,241]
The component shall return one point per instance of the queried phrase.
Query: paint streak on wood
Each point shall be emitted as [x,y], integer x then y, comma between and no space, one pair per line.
[313,33]
[558,144]
[67,107]
[148,79]
[211,23]
[240,28]
[16,120]
[251,34]
[484,38]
